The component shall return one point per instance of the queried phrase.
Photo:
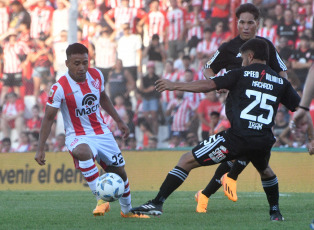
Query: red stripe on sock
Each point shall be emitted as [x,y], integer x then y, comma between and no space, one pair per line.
[126,194]
[126,186]
[87,169]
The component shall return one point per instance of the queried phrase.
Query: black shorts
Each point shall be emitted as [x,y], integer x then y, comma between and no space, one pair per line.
[225,146]
[12,79]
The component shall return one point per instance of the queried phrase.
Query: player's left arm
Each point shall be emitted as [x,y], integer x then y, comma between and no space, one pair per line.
[194,86]
[107,105]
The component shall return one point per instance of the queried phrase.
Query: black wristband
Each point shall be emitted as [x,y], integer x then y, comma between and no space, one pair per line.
[305,108]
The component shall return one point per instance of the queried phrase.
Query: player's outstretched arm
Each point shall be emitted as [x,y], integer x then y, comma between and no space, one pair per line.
[107,105]
[201,86]
[50,114]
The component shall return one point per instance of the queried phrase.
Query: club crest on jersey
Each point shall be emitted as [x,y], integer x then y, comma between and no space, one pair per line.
[96,84]
[88,105]
[52,93]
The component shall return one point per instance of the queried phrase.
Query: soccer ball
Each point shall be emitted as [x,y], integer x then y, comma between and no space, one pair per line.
[110,187]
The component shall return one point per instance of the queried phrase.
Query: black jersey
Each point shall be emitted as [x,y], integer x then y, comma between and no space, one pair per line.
[228,56]
[255,92]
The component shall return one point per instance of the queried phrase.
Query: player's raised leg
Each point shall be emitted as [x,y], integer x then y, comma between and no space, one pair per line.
[173,180]
[83,153]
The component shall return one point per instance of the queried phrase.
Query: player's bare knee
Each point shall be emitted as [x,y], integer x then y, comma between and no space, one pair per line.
[82,152]
[266,173]
[188,162]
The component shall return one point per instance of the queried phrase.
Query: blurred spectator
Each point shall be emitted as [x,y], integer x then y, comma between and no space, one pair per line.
[59,47]
[60,17]
[60,144]
[302,59]
[217,124]
[152,143]
[150,96]
[14,56]
[34,123]
[195,98]
[294,79]
[208,46]
[120,82]
[4,17]
[191,139]
[220,34]
[279,11]
[175,28]
[91,18]
[146,131]
[195,21]
[181,110]
[105,51]
[209,104]
[41,17]
[6,145]
[220,12]
[266,6]
[131,142]
[268,30]
[280,125]
[129,51]
[122,14]
[296,139]
[155,22]
[41,59]
[288,27]
[24,34]
[23,143]
[19,15]
[12,115]
[285,49]
[156,53]
[186,61]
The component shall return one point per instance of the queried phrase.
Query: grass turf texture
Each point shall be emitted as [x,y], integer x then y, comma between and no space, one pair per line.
[73,210]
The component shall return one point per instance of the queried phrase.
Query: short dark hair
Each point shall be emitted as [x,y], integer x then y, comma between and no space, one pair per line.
[6,139]
[258,46]
[250,8]
[215,113]
[188,71]
[76,48]
[186,57]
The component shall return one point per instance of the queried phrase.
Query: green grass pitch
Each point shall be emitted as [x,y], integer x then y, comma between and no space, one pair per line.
[73,210]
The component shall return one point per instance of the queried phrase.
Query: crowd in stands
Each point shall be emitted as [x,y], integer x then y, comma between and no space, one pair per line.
[134,43]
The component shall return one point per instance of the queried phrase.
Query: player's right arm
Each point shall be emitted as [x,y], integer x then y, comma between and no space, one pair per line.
[50,114]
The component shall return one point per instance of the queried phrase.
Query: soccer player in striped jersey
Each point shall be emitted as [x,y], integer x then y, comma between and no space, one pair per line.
[79,94]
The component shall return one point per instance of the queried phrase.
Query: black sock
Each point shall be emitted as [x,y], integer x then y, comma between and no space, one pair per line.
[271,189]
[237,168]
[215,183]
[173,180]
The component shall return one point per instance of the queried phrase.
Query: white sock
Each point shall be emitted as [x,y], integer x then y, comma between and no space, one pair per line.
[125,200]
[90,172]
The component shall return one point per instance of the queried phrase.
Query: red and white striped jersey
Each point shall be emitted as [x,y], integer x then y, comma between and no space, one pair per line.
[207,47]
[12,63]
[106,54]
[94,16]
[167,96]
[206,5]
[182,115]
[13,109]
[79,103]
[156,22]
[175,23]
[138,4]
[41,20]
[270,34]
[195,30]
[164,5]
[194,98]
[113,3]
[123,15]
[4,19]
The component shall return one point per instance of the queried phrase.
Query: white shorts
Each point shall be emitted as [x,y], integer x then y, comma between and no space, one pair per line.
[104,147]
